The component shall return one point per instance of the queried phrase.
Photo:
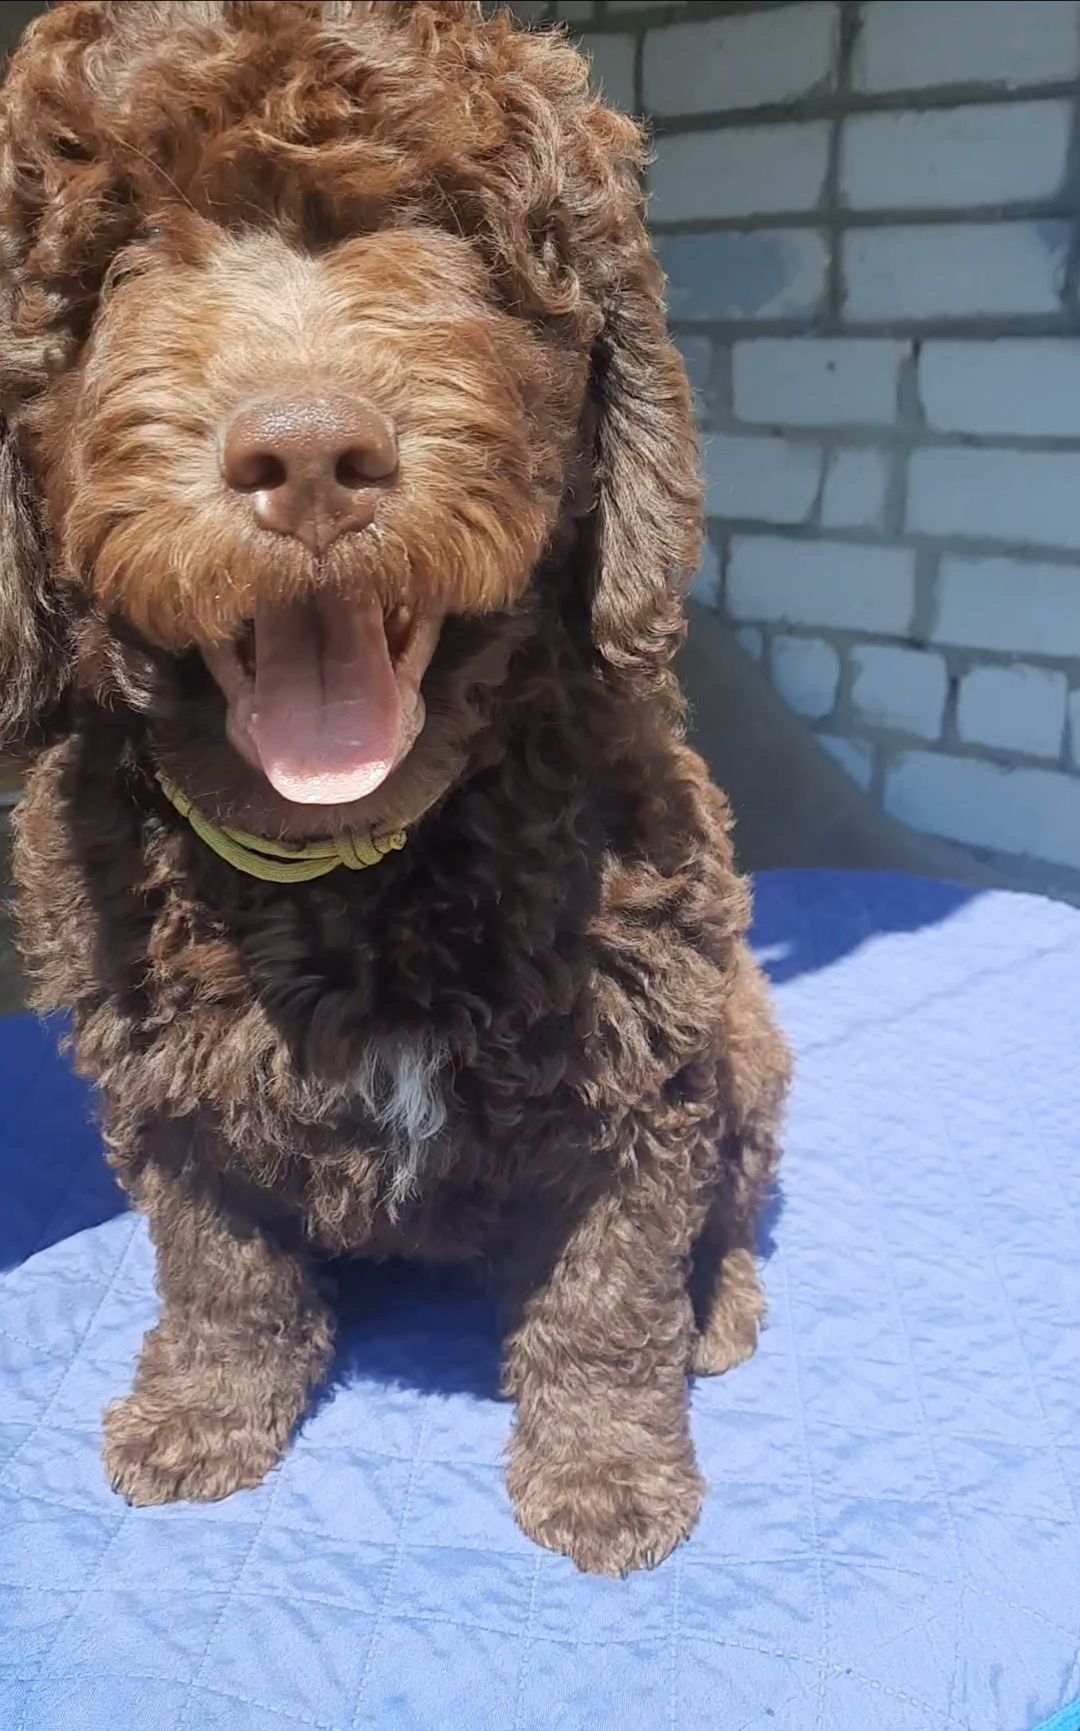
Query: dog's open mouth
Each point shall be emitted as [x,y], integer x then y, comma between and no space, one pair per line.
[324,696]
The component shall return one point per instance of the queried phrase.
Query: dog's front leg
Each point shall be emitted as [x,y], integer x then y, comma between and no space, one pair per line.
[224,1377]
[601,1463]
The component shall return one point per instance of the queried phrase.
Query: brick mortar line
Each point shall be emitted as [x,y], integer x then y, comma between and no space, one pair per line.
[984,325]
[723,384]
[847,24]
[678,12]
[961,662]
[1071,189]
[909,418]
[926,99]
[950,733]
[927,565]
[825,218]
[892,742]
[909,540]
[1057,880]
[961,657]
[900,439]
[846,720]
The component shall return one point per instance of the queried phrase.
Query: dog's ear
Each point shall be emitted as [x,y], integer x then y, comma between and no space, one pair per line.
[648,504]
[33,654]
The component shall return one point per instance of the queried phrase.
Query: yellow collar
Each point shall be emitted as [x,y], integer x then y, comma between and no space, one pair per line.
[274,863]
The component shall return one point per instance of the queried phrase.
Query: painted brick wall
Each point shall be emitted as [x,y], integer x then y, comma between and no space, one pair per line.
[870,217]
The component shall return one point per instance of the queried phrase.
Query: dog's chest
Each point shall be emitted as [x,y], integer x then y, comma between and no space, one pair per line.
[401,1083]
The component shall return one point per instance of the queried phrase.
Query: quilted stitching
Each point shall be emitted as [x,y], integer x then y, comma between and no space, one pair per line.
[891,1535]
[1067,1720]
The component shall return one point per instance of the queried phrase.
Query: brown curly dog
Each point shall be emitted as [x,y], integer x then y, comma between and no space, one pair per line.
[348,489]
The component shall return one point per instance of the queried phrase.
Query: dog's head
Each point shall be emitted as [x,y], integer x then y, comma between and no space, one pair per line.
[325,328]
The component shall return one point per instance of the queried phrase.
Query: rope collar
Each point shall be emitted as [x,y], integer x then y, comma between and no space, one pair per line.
[274,863]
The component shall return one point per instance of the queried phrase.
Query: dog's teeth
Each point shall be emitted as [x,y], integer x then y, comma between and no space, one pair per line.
[398,626]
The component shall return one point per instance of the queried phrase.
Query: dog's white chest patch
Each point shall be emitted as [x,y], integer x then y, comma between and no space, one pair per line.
[401,1084]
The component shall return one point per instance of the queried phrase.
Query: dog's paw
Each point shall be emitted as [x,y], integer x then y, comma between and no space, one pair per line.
[713,1354]
[729,1340]
[161,1451]
[733,1323]
[608,1517]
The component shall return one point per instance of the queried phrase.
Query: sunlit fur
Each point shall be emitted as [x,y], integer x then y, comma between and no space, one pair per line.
[485,418]
[534,1038]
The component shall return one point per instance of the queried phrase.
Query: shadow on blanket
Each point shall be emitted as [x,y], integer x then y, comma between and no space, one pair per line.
[53,1179]
[806,921]
[435,1330]
[438,1331]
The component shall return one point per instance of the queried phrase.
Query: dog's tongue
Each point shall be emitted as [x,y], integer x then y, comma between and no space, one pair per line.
[326,711]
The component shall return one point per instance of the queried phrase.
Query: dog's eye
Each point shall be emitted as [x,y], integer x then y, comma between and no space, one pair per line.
[146,235]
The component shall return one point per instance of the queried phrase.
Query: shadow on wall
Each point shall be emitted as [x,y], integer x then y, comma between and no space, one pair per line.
[793,805]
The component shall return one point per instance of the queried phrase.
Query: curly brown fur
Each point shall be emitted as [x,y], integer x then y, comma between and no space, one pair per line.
[534,1038]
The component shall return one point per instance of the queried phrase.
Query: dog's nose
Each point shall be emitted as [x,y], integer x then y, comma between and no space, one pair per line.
[314,466]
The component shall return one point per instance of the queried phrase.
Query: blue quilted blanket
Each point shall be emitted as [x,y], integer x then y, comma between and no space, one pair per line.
[892,1536]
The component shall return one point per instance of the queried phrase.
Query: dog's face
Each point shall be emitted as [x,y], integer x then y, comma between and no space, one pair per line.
[316,316]
[302,461]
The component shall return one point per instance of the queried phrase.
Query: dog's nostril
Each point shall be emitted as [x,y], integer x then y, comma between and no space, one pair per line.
[358,468]
[256,472]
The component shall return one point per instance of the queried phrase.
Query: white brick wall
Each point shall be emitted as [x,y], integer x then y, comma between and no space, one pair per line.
[871,235]
[948,158]
[762,274]
[1018,708]
[906,44]
[773,480]
[806,672]
[1013,387]
[966,270]
[741,61]
[739,171]
[806,382]
[899,689]
[1009,605]
[855,488]
[1009,810]
[1030,497]
[854,756]
[849,588]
